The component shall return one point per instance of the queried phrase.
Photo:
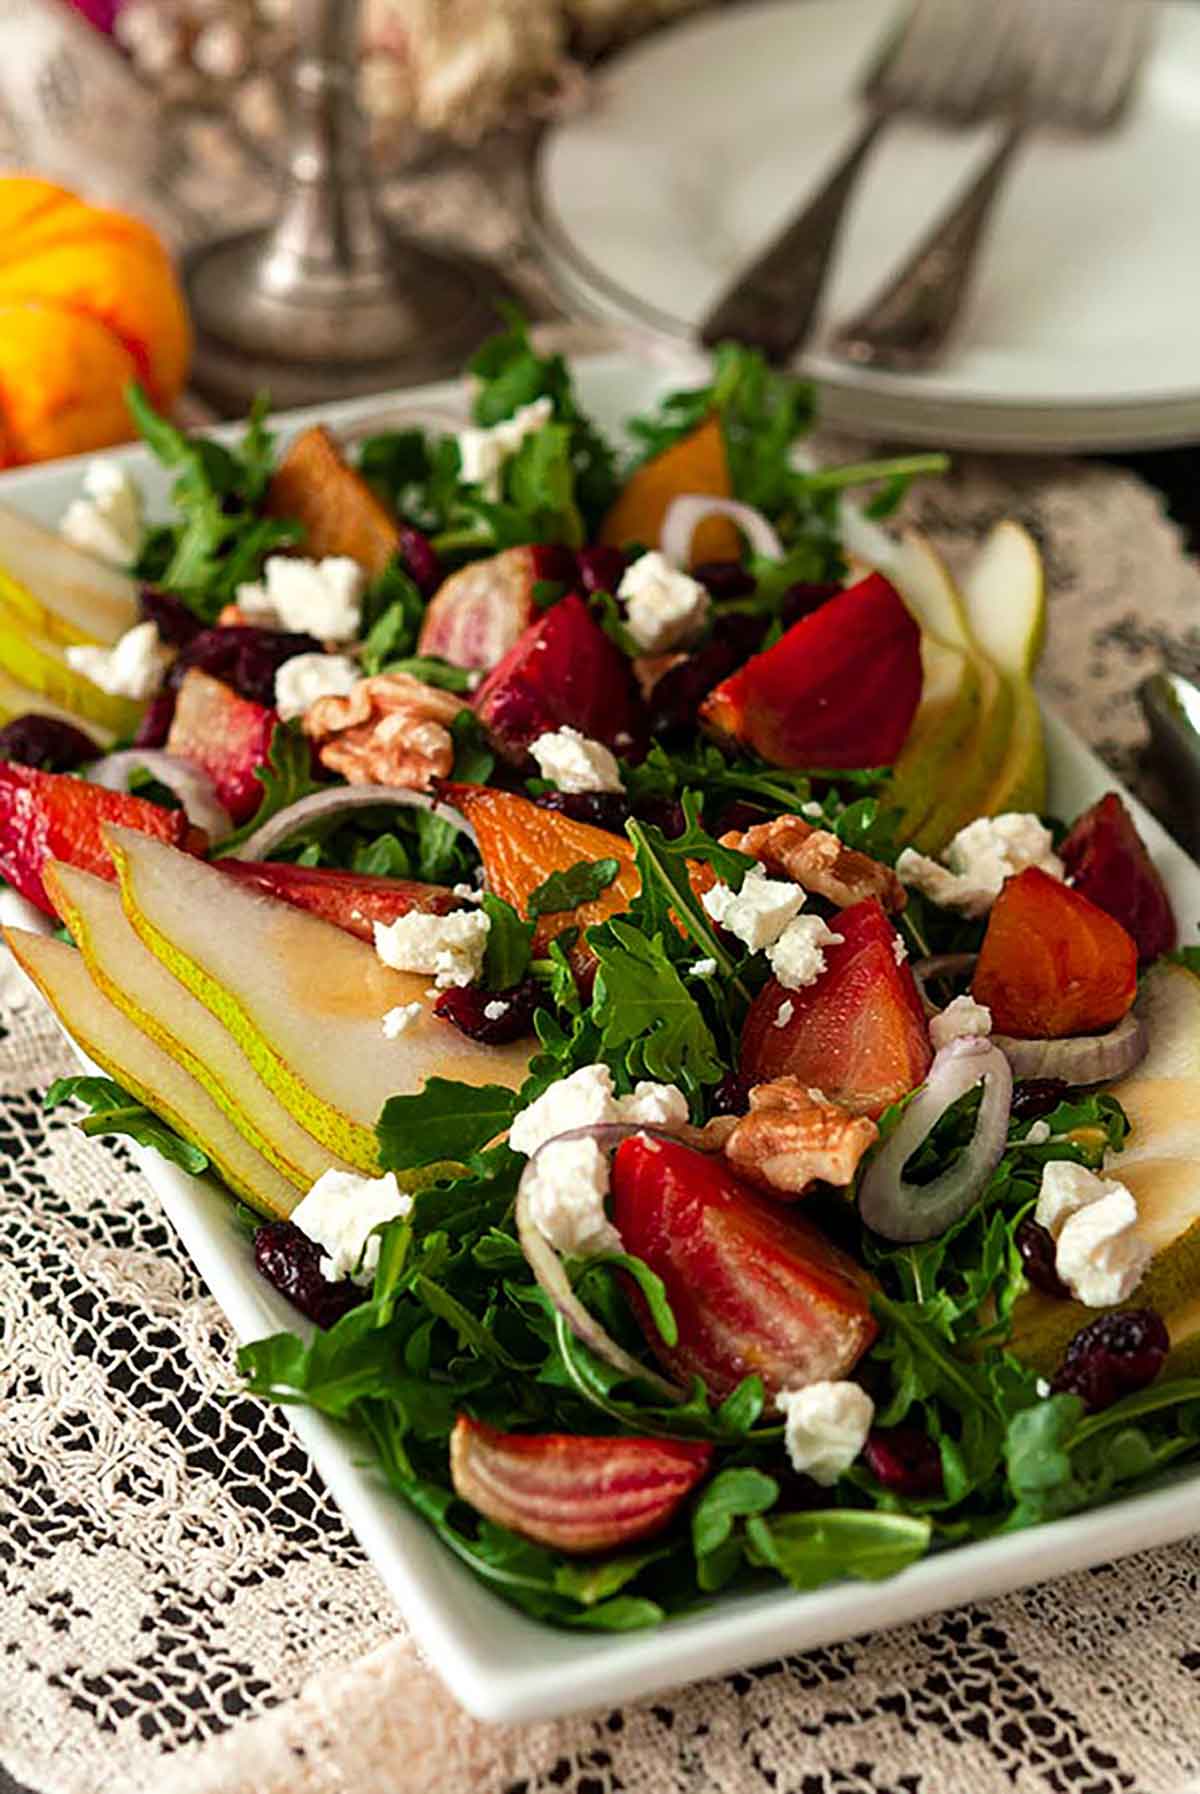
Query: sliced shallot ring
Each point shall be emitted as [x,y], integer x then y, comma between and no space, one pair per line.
[940,965]
[1083,1059]
[686,513]
[339,798]
[547,1267]
[194,789]
[907,1212]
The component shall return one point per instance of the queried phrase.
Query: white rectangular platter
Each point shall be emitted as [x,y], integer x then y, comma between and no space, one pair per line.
[500,1664]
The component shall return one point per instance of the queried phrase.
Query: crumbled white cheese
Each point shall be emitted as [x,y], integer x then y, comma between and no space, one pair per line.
[826,1426]
[575,762]
[107,520]
[664,608]
[703,968]
[813,809]
[304,678]
[899,950]
[566,1187]
[963,1019]
[587,1098]
[1101,1256]
[468,893]
[979,859]
[134,667]
[340,1213]
[482,453]
[784,1014]
[321,598]
[1042,1388]
[1066,1188]
[796,957]
[398,1019]
[448,948]
[1039,1133]
[759,912]
[495,1009]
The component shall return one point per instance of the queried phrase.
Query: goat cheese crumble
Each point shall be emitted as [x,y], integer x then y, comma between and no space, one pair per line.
[304,678]
[783,1015]
[759,912]
[134,667]
[963,1019]
[796,957]
[586,1099]
[340,1213]
[566,1187]
[979,859]
[825,1428]
[1039,1133]
[1099,1253]
[575,762]
[403,1016]
[703,968]
[449,949]
[664,608]
[106,520]
[321,598]
[482,453]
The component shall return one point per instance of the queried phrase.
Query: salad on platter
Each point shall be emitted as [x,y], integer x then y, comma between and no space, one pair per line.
[592,906]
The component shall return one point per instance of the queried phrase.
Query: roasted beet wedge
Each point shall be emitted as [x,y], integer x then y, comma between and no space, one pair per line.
[1052,963]
[481,612]
[53,816]
[840,688]
[573,1493]
[563,669]
[350,900]
[227,737]
[1107,862]
[753,1289]
[858,1033]
[336,509]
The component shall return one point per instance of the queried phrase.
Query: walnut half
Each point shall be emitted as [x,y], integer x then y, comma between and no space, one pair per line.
[817,860]
[794,1136]
[389,730]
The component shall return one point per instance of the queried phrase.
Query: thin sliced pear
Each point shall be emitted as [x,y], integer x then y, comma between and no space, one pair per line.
[1168,1005]
[303,1000]
[34,660]
[143,1069]
[1005,596]
[19,700]
[945,722]
[58,590]
[131,978]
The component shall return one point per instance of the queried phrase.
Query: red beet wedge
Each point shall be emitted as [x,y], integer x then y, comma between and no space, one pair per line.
[858,1033]
[564,669]
[1107,862]
[53,816]
[572,1493]
[225,736]
[839,688]
[350,900]
[480,612]
[753,1289]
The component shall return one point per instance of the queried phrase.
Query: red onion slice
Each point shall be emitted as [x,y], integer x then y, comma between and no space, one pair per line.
[194,789]
[687,512]
[320,805]
[909,1212]
[1086,1059]
[940,965]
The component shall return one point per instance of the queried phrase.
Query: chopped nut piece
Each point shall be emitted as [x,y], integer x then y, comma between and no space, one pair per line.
[389,730]
[816,859]
[793,1136]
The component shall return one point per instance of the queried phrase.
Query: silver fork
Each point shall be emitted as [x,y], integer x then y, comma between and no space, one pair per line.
[1076,68]
[938,61]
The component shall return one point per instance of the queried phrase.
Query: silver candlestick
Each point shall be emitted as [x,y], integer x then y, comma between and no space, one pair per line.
[329,300]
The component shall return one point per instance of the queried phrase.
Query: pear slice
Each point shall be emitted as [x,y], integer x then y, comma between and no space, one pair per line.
[943,726]
[1168,1005]
[19,700]
[303,999]
[41,664]
[130,977]
[59,591]
[142,1068]
[1005,595]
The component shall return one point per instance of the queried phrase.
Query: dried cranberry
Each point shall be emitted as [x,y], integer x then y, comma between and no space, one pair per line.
[1113,1356]
[1035,1244]
[802,599]
[905,1460]
[731,1096]
[665,813]
[47,743]
[245,657]
[602,809]
[291,1262]
[420,560]
[601,569]
[739,815]
[724,579]
[467,1007]
[1035,1097]
[550,562]
[676,697]
[156,721]
[175,623]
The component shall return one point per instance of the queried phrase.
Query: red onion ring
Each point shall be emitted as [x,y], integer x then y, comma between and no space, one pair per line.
[1083,1059]
[909,1212]
[194,789]
[685,513]
[340,798]
[940,965]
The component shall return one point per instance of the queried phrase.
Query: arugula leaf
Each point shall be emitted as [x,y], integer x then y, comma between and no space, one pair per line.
[812,1548]
[444,1121]
[1188,957]
[667,896]
[509,944]
[115,1111]
[731,1495]
[650,1284]
[393,609]
[646,1013]
[285,778]
[473,758]
[580,883]
[431,671]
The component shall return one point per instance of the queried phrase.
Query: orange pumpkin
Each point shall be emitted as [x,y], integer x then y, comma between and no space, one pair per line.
[88,302]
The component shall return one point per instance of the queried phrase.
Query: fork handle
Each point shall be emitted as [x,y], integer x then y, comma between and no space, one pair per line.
[771,304]
[906,325]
